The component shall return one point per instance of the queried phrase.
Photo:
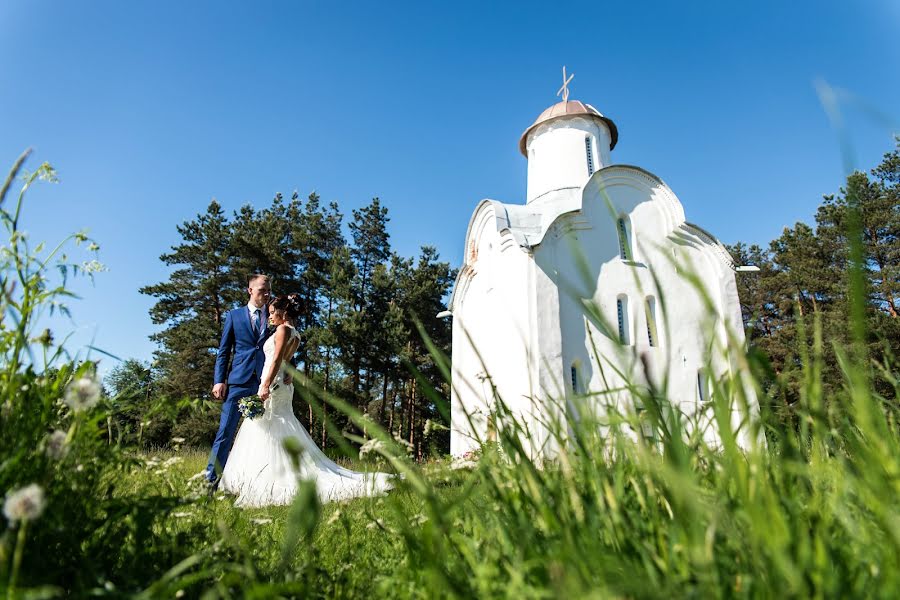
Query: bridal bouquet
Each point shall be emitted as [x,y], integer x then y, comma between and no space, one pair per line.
[251,407]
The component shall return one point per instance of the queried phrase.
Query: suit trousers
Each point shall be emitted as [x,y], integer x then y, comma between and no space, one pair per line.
[228,423]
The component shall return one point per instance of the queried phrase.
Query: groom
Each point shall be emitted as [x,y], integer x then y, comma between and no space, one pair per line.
[243,336]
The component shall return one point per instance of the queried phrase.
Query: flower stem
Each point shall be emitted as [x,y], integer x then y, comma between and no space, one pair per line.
[17,560]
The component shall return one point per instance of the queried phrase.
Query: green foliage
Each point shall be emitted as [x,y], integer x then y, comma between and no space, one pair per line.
[805,275]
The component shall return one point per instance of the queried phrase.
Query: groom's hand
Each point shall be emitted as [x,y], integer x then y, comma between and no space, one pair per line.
[219,391]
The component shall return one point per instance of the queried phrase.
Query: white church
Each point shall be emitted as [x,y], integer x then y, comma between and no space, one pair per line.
[568,295]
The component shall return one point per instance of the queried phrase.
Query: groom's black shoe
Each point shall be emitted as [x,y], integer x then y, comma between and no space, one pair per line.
[211,486]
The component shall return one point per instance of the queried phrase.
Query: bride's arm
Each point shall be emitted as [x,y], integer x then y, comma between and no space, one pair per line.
[281,345]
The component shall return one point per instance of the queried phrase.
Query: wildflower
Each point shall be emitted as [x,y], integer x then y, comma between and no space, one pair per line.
[376,523]
[82,394]
[24,504]
[334,517]
[92,266]
[45,338]
[260,521]
[177,441]
[432,427]
[419,519]
[55,445]
[93,247]
[181,515]
[404,443]
[373,445]
[466,461]
[171,462]
[196,476]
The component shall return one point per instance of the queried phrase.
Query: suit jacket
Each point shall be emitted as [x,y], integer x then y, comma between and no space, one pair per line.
[239,340]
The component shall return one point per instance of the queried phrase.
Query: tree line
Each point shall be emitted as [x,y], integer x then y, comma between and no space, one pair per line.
[363,306]
[799,299]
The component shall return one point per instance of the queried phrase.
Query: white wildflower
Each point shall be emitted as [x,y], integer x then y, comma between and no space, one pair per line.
[260,521]
[463,463]
[24,504]
[181,515]
[418,519]
[196,476]
[169,462]
[334,517]
[55,445]
[373,445]
[93,266]
[82,394]
[376,523]
[432,427]
[179,594]
[404,443]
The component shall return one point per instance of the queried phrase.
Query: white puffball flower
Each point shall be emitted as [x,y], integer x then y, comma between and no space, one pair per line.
[82,394]
[373,445]
[24,504]
[55,445]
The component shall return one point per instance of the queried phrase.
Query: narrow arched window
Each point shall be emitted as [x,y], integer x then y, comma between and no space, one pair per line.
[702,390]
[589,154]
[622,316]
[623,228]
[650,314]
[573,371]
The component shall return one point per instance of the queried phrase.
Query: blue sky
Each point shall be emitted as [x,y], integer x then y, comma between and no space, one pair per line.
[150,109]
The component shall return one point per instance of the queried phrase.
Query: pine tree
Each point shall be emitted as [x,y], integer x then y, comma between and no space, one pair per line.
[193,302]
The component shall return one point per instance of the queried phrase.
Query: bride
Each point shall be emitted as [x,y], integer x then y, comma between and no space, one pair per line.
[259,470]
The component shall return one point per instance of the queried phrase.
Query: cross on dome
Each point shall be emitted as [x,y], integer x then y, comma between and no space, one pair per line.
[564,90]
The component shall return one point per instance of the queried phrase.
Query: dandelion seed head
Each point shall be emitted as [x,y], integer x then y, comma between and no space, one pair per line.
[24,504]
[82,394]
[55,445]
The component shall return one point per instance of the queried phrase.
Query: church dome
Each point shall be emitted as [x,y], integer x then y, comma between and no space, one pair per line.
[571,108]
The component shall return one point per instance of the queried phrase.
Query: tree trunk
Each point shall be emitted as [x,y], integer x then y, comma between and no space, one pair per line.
[412,412]
[384,396]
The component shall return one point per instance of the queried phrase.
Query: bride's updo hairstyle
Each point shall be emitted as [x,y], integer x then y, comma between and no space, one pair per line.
[290,304]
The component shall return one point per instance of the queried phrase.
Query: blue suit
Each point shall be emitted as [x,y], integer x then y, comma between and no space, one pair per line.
[243,349]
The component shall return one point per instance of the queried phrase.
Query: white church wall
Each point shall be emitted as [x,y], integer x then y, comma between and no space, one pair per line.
[491,333]
[582,254]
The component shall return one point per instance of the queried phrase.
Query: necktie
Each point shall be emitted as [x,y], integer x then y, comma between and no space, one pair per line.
[255,320]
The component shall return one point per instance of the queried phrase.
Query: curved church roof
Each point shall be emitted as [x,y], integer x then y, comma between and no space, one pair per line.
[572,108]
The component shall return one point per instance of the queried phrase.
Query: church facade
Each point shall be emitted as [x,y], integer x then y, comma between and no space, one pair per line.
[584,287]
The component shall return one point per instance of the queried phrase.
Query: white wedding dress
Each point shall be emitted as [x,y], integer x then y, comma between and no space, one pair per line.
[259,471]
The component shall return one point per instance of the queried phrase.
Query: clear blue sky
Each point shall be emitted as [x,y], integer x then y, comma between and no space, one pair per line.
[150,109]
